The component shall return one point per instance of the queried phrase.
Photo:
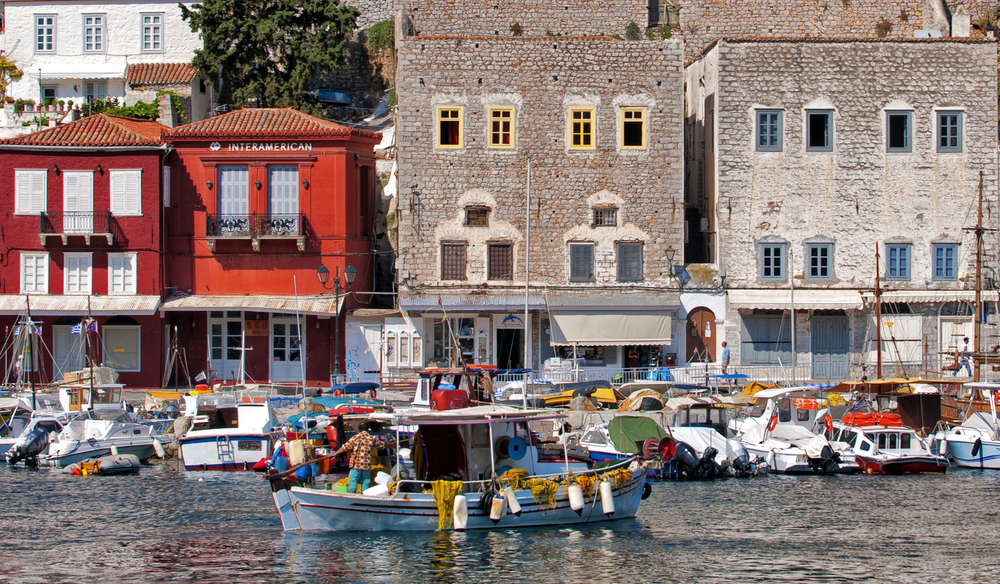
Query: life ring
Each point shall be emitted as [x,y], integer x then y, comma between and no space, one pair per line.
[828,422]
[773,424]
[374,394]
[336,393]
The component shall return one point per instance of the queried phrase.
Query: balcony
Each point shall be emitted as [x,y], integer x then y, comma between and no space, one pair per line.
[86,225]
[255,227]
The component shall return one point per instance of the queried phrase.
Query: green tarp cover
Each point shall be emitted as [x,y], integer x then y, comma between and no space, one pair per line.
[625,431]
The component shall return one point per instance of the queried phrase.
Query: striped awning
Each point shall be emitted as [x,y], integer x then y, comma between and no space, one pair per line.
[805,299]
[319,305]
[66,305]
[929,296]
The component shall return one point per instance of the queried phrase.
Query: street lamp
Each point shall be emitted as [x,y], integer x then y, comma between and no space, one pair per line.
[671,252]
[323,273]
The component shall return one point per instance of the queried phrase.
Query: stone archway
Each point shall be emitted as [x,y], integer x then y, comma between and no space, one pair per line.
[701,334]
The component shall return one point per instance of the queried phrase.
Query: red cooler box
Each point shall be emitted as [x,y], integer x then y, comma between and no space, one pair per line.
[449,399]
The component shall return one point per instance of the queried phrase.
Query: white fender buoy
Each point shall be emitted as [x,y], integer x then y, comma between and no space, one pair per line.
[159,449]
[114,450]
[575,498]
[769,459]
[460,513]
[607,499]
[943,448]
[512,503]
[497,509]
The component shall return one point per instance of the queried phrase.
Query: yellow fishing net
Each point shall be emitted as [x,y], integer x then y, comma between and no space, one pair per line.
[515,477]
[586,483]
[835,399]
[444,494]
[618,478]
[544,491]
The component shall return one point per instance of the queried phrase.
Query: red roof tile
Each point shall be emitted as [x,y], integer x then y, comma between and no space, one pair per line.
[95,131]
[266,123]
[159,74]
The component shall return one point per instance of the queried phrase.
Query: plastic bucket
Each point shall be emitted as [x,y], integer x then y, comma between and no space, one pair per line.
[382,478]
[376,491]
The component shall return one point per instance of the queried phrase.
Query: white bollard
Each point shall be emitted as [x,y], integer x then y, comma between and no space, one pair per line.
[575,498]
[607,499]
[460,513]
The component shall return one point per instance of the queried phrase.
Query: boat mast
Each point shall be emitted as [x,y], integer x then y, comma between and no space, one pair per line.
[977,326]
[878,319]
[31,351]
[86,349]
[791,283]
[527,321]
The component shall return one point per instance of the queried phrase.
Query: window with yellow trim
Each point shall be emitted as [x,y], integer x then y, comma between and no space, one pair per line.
[582,129]
[449,121]
[501,127]
[633,128]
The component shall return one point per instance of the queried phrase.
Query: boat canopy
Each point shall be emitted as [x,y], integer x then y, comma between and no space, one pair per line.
[783,391]
[627,432]
[468,416]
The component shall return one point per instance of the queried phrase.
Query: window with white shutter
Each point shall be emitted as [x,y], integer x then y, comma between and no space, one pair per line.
[581,262]
[126,192]
[629,262]
[78,202]
[34,273]
[30,191]
[121,273]
[77,270]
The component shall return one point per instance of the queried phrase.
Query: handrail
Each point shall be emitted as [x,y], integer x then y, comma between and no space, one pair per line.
[254,225]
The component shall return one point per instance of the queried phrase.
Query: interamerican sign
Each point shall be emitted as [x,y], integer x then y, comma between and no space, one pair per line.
[264,146]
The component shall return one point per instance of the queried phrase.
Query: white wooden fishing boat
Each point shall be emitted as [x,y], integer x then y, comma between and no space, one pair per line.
[471,445]
[229,431]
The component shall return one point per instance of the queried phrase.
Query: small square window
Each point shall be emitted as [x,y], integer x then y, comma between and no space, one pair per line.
[121,273]
[581,262]
[45,34]
[633,128]
[949,125]
[897,260]
[501,261]
[449,127]
[945,259]
[769,130]
[501,127]
[453,261]
[477,216]
[772,261]
[820,258]
[582,129]
[629,262]
[606,217]
[94,31]
[899,131]
[819,131]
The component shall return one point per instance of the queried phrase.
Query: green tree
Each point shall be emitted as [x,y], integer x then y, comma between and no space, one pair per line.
[269,51]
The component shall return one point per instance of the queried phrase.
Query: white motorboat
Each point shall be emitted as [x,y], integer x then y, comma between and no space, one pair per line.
[229,431]
[98,433]
[883,445]
[781,429]
[465,448]
[976,442]
[17,420]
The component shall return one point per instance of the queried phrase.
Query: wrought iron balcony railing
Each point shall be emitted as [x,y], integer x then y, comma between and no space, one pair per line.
[255,226]
[66,224]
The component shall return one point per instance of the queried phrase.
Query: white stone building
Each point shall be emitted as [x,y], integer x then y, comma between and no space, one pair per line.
[81,50]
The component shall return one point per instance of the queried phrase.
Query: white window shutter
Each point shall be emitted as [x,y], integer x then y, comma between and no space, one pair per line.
[132,193]
[71,192]
[22,192]
[85,193]
[118,193]
[38,191]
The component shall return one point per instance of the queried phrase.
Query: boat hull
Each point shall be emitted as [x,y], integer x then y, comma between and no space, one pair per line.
[794,461]
[233,452]
[316,510]
[906,465]
[960,452]
[142,450]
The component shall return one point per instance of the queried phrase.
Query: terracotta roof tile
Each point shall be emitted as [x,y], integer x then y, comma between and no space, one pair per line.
[96,131]
[159,74]
[266,123]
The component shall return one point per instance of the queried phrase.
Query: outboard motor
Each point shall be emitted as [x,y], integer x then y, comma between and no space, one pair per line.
[689,466]
[827,463]
[740,458]
[28,447]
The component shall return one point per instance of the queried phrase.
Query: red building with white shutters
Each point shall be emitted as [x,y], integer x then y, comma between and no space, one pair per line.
[80,234]
[265,202]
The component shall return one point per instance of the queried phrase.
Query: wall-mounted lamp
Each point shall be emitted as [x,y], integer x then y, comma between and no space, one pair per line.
[356,157]
[305,185]
[256,183]
[55,167]
[208,184]
[671,252]
[193,323]
[100,169]
[722,277]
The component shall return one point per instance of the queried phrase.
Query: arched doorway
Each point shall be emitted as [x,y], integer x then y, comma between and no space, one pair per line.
[701,335]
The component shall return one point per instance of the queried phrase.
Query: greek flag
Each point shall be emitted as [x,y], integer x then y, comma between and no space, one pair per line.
[76,329]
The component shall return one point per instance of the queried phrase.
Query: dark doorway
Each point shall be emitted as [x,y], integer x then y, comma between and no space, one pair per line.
[510,348]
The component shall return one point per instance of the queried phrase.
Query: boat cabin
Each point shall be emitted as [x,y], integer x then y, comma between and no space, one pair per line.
[245,410]
[84,397]
[800,411]
[104,424]
[878,439]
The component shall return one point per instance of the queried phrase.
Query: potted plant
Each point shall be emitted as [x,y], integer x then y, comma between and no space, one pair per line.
[70,104]
[62,104]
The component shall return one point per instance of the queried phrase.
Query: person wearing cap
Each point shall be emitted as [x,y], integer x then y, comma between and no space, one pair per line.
[360,446]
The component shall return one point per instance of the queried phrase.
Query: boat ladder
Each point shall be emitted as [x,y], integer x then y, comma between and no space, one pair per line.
[224,448]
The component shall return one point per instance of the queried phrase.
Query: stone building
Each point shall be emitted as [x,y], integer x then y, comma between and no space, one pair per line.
[600,123]
[808,157]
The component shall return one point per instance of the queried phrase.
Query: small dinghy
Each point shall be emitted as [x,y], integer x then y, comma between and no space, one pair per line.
[114,464]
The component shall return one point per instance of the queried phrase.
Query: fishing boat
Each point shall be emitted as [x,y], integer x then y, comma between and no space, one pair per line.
[883,445]
[975,443]
[229,430]
[98,433]
[782,429]
[465,450]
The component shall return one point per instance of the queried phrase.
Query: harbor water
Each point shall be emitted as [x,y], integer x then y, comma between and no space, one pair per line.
[166,524]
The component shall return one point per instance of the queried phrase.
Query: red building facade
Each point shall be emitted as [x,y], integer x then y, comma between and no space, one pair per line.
[81,236]
[264,202]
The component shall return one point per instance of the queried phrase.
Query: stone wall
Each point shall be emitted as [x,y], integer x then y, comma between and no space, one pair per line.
[541,79]
[529,18]
[707,20]
[372,11]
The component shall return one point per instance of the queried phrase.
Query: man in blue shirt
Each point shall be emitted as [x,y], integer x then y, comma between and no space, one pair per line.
[725,357]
